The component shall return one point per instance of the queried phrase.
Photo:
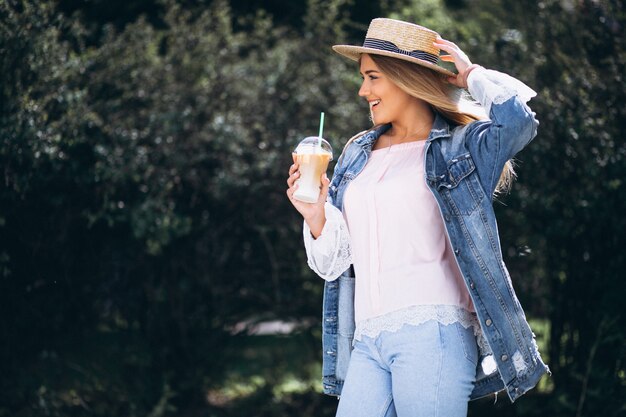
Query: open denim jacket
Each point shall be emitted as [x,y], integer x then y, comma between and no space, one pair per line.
[463,165]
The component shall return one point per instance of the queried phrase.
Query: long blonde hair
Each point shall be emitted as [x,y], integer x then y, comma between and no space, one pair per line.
[449,101]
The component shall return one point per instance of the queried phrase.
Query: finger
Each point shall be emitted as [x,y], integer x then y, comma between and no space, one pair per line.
[447,48]
[454,81]
[325,180]
[453,50]
[291,190]
[324,190]
[293,168]
[293,156]
[447,58]
[446,42]
[292,178]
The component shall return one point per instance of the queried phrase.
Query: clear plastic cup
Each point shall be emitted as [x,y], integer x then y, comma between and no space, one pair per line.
[313,160]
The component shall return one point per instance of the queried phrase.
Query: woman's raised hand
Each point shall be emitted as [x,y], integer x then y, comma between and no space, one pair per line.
[460,59]
[313,213]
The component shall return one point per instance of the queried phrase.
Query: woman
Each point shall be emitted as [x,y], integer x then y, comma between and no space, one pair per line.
[419,312]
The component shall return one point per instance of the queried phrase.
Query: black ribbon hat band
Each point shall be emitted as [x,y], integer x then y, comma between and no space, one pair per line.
[391,47]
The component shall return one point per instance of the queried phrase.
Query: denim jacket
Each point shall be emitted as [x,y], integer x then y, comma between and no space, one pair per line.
[462,167]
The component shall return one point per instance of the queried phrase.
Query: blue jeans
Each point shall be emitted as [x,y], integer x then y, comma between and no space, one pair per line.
[423,370]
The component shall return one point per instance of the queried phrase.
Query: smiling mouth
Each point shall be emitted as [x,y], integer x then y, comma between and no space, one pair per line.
[374,103]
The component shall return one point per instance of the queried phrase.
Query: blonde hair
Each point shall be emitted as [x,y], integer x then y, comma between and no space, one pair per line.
[444,98]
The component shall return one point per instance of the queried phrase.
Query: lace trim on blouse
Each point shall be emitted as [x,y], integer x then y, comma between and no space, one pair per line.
[344,252]
[414,315]
[330,255]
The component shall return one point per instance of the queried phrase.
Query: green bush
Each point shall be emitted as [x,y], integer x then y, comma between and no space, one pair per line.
[143,214]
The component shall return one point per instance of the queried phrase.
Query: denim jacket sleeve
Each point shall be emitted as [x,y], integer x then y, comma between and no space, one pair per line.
[511,125]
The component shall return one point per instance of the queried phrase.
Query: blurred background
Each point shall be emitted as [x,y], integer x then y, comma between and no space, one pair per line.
[150,263]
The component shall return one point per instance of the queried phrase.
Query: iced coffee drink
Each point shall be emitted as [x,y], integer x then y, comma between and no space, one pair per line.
[312,155]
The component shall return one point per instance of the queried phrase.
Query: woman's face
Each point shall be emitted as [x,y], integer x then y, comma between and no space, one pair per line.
[387,101]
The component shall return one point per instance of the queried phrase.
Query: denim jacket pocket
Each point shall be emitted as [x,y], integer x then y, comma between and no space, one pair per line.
[460,185]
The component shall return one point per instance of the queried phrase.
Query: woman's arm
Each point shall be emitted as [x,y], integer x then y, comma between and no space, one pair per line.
[329,255]
[511,125]
[326,237]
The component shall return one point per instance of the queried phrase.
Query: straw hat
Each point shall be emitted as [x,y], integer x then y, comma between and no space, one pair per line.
[397,39]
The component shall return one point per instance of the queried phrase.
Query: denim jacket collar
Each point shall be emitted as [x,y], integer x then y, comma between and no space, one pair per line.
[368,139]
[440,129]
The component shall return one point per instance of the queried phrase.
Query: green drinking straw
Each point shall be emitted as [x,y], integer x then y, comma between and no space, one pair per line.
[319,137]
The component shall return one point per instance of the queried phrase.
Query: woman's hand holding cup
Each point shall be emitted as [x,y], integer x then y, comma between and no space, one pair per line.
[313,213]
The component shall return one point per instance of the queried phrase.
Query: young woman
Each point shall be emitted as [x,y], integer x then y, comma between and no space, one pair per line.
[419,312]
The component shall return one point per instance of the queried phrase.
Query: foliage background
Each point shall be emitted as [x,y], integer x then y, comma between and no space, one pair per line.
[144,231]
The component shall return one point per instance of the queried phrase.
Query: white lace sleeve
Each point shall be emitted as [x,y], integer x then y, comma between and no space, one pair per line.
[492,87]
[329,255]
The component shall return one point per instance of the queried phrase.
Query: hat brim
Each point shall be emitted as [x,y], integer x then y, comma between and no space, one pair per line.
[354,52]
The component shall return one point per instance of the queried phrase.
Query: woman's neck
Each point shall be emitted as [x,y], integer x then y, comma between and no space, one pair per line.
[414,124]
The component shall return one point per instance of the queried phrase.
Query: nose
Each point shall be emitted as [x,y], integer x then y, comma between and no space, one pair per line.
[364,91]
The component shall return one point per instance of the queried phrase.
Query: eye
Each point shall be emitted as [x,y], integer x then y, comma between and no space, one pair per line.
[373,77]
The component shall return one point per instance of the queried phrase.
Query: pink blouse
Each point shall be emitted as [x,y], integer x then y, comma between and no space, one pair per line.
[401,253]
